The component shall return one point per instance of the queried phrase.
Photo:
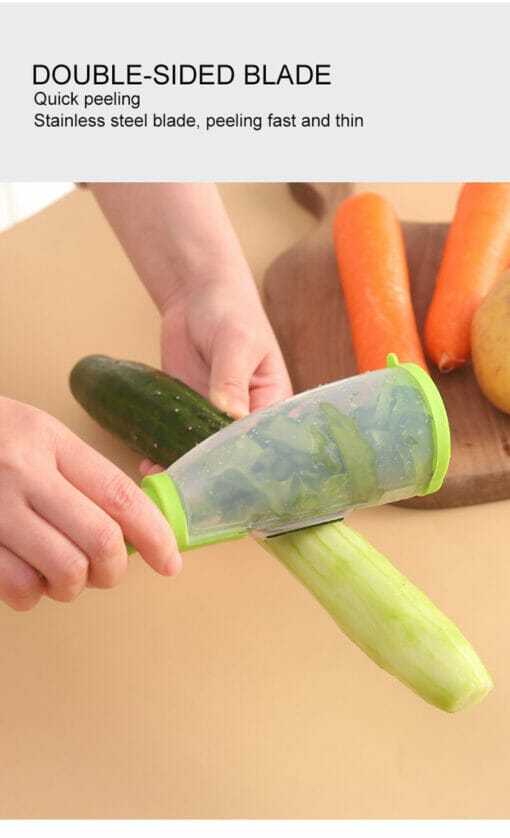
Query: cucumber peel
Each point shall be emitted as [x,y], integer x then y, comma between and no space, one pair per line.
[356,453]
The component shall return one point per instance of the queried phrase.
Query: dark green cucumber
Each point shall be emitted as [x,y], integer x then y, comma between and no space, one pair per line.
[156,415]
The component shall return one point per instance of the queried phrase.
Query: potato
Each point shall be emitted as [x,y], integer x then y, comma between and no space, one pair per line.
[490,344]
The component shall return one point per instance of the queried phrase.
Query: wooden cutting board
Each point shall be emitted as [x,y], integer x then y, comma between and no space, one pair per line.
[304,301]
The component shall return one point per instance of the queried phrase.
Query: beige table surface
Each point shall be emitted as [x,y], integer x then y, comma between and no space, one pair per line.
[227,692]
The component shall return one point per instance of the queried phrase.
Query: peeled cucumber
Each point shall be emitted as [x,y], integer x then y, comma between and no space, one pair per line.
[387,616]
[380,610]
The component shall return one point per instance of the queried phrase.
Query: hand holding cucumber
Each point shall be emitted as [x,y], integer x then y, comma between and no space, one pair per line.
[215,334]
[64,509]
[218,340]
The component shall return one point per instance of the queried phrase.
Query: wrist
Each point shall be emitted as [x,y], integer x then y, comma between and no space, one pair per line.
[177,235]
[204,273]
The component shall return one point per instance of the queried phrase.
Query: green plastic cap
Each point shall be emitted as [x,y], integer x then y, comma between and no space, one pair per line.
[439,421]
[162,491]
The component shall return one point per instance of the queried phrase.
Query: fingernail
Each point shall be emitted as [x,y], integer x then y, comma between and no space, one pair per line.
[237,411]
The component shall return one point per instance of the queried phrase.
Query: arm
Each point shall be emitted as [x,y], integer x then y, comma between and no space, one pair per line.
[215,333]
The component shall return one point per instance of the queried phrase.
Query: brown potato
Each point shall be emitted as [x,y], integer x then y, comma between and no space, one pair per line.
[490,344]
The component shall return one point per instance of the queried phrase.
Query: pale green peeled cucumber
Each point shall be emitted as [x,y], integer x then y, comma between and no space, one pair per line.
[387,616]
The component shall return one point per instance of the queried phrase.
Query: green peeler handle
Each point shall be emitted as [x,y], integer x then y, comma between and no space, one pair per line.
[163,492]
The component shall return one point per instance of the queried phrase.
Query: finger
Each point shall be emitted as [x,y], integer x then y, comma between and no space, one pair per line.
[270,383]
[142,523]
[232,366]
[148,467]
[62,563]
[21,587]
[86,525]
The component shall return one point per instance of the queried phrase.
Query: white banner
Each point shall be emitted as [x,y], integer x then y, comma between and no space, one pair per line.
[365,92]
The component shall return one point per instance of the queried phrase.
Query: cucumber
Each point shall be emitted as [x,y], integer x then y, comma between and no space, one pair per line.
[158,416]
[384,614]
[380,610]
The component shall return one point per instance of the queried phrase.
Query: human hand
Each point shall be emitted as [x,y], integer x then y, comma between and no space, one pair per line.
[221,344]
[64,510]
[215,334]
[217,339]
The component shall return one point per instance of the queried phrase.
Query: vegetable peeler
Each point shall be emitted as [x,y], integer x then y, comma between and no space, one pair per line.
[366,440]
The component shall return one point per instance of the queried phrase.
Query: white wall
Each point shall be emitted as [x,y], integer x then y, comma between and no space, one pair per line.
[19,200]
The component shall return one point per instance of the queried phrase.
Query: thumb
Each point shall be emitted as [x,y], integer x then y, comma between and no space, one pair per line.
[232,366]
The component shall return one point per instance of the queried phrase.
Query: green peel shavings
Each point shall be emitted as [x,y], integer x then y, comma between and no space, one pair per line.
[299,470]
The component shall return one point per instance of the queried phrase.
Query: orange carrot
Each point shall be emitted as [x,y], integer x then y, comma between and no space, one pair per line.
[375,279]
[476,253]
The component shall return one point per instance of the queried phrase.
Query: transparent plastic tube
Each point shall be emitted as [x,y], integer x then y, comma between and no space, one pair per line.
[363,441]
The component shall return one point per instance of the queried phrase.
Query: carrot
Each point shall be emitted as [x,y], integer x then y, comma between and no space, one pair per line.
[476,253]
[374,276]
